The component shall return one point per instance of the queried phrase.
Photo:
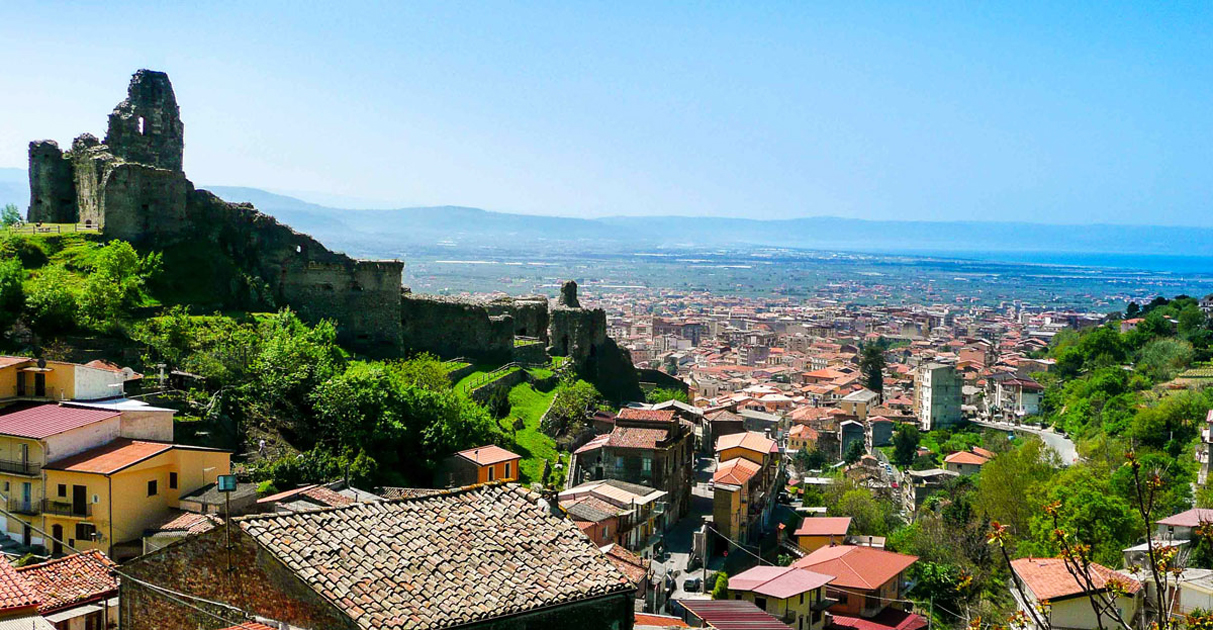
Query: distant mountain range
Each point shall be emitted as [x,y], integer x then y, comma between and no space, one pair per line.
[391,233]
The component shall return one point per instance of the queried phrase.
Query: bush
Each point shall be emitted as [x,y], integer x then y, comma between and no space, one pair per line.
[721,588]
[12,295]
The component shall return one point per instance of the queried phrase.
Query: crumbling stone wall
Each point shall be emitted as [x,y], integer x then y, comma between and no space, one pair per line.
[530,314]
[580,334]
[140,203]
[451,327]
[52,190]
[198,566]
[146,128]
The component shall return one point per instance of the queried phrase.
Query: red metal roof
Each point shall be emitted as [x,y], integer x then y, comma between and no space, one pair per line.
[778,582]
[7,361]
[888,619]
[40,421]
[732,614]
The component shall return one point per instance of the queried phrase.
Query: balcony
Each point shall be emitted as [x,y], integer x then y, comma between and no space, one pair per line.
[64,508]
[21,506]
[17,467]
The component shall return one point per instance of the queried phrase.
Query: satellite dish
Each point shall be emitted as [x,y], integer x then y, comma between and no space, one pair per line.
[41,363]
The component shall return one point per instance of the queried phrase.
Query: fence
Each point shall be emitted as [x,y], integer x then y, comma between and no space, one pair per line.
[51,228]
[489,377]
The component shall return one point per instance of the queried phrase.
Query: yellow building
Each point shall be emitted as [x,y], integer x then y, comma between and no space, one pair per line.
[802,437]
[107,496]
[753,446]
[23,378]
[795,596]
[822,531]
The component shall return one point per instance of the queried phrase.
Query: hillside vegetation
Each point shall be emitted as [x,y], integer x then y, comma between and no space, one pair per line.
[295,405]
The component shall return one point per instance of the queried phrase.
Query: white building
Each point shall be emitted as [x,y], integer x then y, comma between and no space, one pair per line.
[937,396]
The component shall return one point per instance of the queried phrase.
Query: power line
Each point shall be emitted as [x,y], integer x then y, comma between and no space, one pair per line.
[167,593]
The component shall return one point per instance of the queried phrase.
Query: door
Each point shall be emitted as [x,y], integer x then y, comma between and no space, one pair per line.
[27,495]
[27,536]
[24,457]
[21,383]
[80,500]
[40,385]
[57,535]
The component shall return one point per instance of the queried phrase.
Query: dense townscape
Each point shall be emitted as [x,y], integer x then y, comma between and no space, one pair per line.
[210,420]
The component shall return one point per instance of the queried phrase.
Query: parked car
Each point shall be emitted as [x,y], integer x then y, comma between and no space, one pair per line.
[692,585]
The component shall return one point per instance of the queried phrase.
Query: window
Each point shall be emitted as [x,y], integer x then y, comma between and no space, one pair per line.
[85,531]
[647,464]
[802,599]
[151,488]
[606,531]
[63,490]
[492,470]
[507,470]
[172,480]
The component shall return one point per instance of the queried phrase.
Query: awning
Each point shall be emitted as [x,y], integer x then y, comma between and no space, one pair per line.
[34,622]
[72,613]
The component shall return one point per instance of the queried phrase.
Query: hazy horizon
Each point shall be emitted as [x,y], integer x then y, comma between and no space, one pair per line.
[1079,114]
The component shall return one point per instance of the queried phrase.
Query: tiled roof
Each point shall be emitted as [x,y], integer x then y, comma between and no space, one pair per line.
[596,443]
[804,432]
[965,457]
[466,555]
[487,455]
[778,582]
[15,591]
[591,509]
[861,568]
[1048,578]
[736,471]
[650,415]
[327,496]
[112,457]
[397,492]
[635,437]
[71,580]
[190,522]
[824,526]
[40,421]
[630,564]
[748,440]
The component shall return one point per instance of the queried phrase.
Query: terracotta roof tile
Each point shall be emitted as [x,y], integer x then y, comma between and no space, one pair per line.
[486,455]
[15,591]
[863,568]
[71,580]
[650,415]
[463,556]
[748,440]
[636,437]
[736,471]
[1048,578]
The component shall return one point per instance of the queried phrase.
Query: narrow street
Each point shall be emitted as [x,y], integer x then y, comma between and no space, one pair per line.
[1062,445]
[679,539]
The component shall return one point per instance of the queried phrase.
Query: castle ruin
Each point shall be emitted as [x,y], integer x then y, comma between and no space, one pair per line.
[131,186]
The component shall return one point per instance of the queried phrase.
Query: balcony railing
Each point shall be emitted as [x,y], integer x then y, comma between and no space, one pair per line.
[17,467]
[61,508]
[21,506]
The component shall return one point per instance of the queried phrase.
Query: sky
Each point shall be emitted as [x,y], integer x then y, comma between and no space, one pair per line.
[1051,112]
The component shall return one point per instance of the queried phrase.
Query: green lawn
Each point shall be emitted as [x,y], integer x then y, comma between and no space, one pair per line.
[529,404]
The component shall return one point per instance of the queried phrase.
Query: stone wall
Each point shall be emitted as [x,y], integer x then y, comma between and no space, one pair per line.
[140,203]
[450,327]
[198,566]
[52,190]
[530,314]
[146,128]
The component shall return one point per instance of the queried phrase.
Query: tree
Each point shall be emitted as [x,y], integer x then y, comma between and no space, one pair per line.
[662,394]
[871,365]
[1132,310]
[869,516]
[115,282]
[1191,320]
[1163,358]
[568,410]
[1008,489]
[905,445]
[12,295]
[9,215]
[855,452]
[809,459]
[50,300]
[720,590]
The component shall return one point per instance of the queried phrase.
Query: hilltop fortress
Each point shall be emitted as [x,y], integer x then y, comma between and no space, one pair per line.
[131,186]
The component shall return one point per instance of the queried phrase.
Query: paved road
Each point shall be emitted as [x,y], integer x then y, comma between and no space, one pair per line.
[678,539]
[1060,444]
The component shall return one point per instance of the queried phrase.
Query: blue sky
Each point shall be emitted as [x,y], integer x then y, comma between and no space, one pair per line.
[1052,112]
